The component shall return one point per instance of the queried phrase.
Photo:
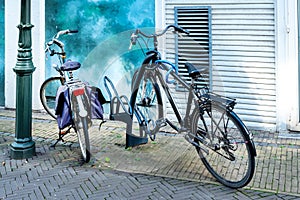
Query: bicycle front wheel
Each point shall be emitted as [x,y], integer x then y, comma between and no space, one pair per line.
[48,92]
[229,155]
[148,107]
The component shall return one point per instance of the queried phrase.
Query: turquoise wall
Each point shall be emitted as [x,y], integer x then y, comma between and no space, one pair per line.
[104,28]
[1,52]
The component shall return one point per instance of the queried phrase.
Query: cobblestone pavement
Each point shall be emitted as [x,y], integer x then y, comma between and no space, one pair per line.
[165,169]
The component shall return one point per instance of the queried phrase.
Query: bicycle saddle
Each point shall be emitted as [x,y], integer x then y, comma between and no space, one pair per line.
[70,66]
[193,71]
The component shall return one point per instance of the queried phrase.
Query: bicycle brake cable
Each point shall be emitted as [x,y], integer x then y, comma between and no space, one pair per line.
[173,67]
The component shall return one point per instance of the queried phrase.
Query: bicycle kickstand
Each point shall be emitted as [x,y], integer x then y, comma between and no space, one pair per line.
[100,125]
[61,134]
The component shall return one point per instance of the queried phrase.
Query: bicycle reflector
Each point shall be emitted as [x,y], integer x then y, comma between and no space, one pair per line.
[78,91]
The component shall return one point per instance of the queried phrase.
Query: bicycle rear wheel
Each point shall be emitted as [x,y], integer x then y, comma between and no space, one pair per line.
[148,107]
[231,154]
[83,137]
[48,94]
[82,129]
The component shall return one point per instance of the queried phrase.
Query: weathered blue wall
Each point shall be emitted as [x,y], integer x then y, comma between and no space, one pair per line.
[104,28]
[1,52]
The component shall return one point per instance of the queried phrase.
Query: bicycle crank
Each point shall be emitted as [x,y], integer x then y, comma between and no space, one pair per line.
[160,123]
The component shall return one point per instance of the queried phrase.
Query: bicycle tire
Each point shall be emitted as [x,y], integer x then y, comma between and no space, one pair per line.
[48,94]
[83,139]
[148,105]
[82,130]
[235,173]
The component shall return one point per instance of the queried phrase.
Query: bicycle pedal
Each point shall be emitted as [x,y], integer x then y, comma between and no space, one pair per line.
[63,132]
[161,123]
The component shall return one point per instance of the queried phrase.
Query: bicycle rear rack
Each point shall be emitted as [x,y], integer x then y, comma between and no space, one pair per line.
[214,98]
[116,103]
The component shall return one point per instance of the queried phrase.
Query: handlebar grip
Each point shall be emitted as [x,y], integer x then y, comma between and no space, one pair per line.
[181,30]
[73,31]
[133,39]
[64,32]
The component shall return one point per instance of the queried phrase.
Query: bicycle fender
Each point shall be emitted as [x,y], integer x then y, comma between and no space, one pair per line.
[248,135]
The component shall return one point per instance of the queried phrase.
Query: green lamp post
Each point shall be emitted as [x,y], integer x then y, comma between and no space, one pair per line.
[24,147]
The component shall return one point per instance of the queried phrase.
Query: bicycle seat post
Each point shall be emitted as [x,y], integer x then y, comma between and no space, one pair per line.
[70,73]
[155,42]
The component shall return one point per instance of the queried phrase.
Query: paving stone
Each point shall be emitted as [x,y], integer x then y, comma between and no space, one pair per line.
[58,173]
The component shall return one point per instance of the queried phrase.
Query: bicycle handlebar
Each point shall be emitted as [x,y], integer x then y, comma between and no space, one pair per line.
[176,28]
[64,32]
[134,35]
[179,29]
[59,43]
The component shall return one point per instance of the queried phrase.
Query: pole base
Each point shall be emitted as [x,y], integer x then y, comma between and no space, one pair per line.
[22,150]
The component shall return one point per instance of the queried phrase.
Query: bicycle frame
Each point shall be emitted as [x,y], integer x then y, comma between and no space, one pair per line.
[154,72]
[222,141]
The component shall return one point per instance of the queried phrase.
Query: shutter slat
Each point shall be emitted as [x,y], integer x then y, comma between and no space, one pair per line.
[196,47]
[242,52]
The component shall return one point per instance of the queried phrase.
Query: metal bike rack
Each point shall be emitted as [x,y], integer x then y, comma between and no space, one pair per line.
[125,114]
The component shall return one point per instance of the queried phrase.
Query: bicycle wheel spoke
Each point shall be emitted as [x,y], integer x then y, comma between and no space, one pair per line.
[48,92]
[148,106]
[229,159]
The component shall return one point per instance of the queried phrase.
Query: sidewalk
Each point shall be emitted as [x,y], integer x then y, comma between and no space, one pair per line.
[170,156]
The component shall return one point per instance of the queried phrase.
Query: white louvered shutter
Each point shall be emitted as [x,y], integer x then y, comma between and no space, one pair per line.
[243,54]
